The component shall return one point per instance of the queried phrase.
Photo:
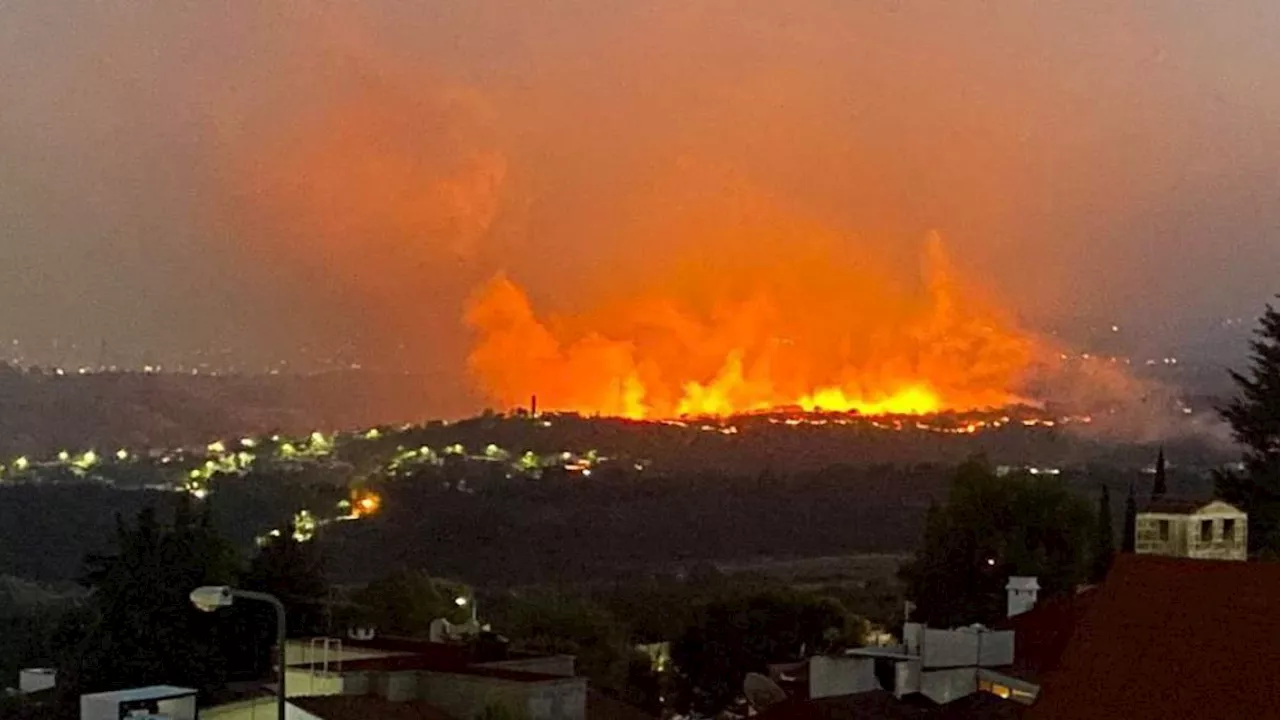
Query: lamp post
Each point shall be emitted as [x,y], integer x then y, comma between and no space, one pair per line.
[214,597]
[462,601]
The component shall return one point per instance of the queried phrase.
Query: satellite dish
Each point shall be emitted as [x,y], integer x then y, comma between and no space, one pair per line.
[762,692]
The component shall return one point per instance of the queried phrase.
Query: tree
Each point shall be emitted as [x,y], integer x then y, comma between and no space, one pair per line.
[991,528]
[553,622]
[1160,485]
[1104,542]
[735,635]
[1254,416]
[1130,540]
[292,571]
[145,630]
[406,602]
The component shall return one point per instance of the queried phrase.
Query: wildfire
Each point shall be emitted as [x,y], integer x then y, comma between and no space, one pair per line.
[365,503]
[817,329]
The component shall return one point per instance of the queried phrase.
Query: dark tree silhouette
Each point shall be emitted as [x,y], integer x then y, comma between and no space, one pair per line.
[146,631]
[993,527]
[294,572]
[733,636]
[1160,485]
[1254,416]
[1104,542]
[1130,540]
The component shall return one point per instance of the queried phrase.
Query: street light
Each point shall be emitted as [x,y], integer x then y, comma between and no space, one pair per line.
[215,597]
[462,601]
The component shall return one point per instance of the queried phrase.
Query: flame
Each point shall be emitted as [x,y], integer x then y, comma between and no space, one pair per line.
[366,503]
[818,330]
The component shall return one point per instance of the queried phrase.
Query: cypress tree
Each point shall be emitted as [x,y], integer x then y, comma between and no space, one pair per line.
[1104,540]
[1161,484]
[1130,523]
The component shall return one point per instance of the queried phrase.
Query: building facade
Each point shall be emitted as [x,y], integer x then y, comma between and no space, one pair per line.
[1207,530]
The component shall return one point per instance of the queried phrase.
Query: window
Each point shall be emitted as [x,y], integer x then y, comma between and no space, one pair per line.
[1229,530]
[1206,531]
[1164,531]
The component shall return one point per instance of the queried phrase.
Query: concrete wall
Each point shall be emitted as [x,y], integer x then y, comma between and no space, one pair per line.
[943,686]
[262,708]
[832,676]
[558,701]
[956,648]
[465,696]
[306,682]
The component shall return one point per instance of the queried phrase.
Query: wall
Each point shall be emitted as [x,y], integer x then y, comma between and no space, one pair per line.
[956,648]
[308,682]
[1218,548]
[943,686]
[1147,539]
[464,696]
[832,676]
[260,708]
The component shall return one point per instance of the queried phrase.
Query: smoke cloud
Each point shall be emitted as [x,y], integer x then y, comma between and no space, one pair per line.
[347,175]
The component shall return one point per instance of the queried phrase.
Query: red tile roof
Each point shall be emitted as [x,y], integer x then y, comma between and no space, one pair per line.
[1172,638]
[1041,634]
[363,707]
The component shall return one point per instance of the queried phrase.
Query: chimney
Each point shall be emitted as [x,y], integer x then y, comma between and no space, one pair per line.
[1022,592]
[533,406]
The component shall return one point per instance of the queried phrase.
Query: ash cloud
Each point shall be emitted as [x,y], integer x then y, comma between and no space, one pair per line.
[276,173]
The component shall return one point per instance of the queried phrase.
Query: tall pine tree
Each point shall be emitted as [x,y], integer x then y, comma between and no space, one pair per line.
[1104,542]
[1161,484]
[1254,416]
[1130,540]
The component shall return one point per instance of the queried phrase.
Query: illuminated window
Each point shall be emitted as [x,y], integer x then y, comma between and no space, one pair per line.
[1206,530]
[1164,531]
[1229,530]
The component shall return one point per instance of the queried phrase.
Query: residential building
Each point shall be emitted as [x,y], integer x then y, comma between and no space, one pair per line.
[337,679]
[1192,529]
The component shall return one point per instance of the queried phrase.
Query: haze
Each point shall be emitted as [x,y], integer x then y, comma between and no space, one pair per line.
[263,176]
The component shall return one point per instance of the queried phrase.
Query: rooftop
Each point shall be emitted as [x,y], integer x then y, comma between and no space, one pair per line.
[1172,637]
[430,662]
[360,707]
[1041,634]
[882,705]
[1177,506]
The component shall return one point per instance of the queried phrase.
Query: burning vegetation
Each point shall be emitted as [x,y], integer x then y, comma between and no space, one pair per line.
[818,325]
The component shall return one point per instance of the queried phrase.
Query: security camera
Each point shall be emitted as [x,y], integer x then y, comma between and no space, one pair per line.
[211,597]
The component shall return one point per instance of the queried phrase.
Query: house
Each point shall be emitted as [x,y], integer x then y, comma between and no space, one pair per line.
[1192,529]
[336,679]
[1169,638]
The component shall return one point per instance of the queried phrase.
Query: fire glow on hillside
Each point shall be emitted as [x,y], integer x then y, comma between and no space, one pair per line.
[816,329]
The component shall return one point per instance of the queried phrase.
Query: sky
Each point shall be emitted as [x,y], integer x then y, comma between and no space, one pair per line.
[268,175]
